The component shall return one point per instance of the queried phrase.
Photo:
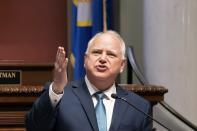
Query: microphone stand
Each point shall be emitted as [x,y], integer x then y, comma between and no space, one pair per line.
[125,100]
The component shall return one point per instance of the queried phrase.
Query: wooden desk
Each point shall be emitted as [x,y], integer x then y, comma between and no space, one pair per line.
[15,101]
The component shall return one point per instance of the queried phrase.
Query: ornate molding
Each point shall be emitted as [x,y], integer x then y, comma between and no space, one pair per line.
[21,90]
[19,95]
[145,89]
[153,93]
[37,89]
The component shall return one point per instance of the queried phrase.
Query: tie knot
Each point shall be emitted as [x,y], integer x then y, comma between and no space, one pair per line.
[99,95]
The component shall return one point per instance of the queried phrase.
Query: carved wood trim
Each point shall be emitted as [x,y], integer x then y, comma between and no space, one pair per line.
[21,90]
[12,118]
[36,89]
[19,95]
[145,89]
[153,93]
[28,93]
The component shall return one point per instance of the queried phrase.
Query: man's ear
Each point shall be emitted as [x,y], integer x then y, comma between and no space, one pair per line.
[85,57]
[123,65]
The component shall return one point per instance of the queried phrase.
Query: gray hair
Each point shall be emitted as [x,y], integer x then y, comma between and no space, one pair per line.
[114,33]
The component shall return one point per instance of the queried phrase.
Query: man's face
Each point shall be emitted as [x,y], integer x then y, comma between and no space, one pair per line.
[104,59]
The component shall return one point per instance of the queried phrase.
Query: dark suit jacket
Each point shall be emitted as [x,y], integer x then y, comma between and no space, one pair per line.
[75,112]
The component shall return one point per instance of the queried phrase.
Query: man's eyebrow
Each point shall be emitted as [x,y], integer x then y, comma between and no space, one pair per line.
[113,51]
[98,49]
[95,49]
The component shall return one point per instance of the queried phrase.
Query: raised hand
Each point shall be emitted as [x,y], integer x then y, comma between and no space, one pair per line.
[60,72]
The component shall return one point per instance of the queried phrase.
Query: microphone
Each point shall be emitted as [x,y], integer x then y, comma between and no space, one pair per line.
[125,100]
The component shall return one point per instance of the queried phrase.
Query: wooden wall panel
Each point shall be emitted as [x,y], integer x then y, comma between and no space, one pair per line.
[31,30]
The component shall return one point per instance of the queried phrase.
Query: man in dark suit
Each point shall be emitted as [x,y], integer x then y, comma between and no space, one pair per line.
[75,106]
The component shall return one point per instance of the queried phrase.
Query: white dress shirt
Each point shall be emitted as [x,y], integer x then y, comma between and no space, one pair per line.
[107,101]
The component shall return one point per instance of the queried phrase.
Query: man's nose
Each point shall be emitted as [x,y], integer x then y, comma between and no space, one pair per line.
[103,58]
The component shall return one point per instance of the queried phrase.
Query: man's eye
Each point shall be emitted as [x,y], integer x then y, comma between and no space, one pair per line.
[95,52]
[112,55]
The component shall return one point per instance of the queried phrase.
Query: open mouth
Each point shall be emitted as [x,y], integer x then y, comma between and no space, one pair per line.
[101,68]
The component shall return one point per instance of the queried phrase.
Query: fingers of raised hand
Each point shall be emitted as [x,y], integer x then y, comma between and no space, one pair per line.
[61,60]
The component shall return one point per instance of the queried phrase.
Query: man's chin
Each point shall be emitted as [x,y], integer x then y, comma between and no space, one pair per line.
[101,77]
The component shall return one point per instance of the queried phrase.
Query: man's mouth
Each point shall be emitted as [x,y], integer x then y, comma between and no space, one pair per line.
[101,68]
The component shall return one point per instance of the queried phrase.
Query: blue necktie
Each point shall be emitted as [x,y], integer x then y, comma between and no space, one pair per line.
[100,112]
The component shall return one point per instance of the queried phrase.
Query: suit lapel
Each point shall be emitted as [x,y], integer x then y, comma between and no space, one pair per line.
[81,91]
[119,109]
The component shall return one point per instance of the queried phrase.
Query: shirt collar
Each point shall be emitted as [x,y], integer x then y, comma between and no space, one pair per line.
[92,89]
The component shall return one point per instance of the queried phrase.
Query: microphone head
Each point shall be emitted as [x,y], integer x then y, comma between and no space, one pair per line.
[114,96]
